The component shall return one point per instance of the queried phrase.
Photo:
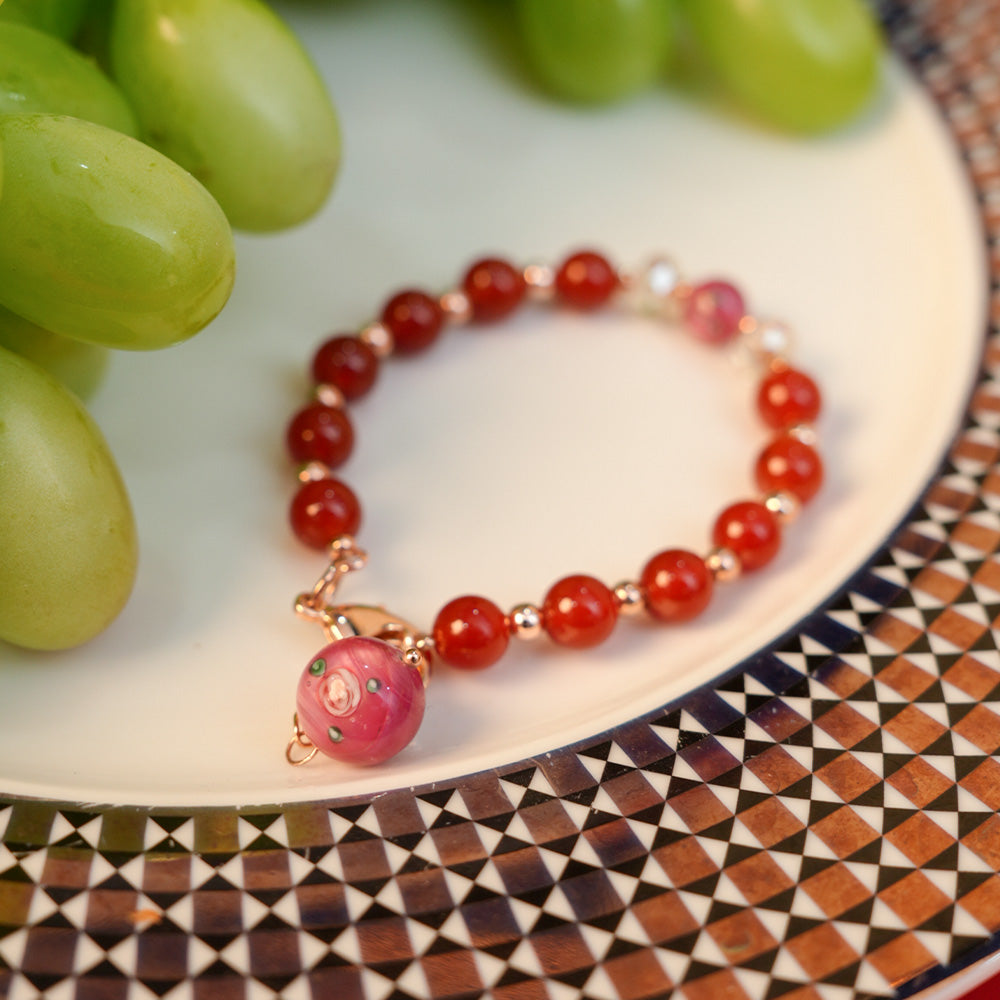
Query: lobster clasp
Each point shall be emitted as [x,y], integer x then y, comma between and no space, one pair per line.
[376,622]
[345,621]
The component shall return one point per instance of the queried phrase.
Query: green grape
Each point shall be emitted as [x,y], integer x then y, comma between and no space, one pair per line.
[67,537]
[54,17]
[92,38]
[105,240]
[596,50]
[802,65]
[78,365]
[226,90]
[40,73]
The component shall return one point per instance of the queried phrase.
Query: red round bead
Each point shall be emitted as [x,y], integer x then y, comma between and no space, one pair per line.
[579,611]
[320,433]
[414,319]
[751,531]
[470,633]
[788,397]
[348,363]
[713,311]
[790,465]
[585,280]
[494,289]
[676,584]
[322,510]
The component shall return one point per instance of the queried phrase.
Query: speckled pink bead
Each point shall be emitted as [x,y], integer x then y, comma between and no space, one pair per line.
[713,311]
[359,701]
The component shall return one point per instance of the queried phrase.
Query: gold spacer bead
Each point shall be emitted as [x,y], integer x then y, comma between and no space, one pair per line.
[541,282]
[313,471]
[723,564]
[629,598]
[784,506]
[378,337]
[805,433]
[329,395]
[526,621]
[456,307]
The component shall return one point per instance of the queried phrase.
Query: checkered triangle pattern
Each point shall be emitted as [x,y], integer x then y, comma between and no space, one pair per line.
[819,824]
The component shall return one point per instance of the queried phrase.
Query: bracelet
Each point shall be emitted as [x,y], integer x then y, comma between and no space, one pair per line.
[361,698]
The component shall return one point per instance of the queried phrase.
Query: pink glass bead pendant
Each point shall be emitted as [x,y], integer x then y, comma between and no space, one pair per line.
[359,700]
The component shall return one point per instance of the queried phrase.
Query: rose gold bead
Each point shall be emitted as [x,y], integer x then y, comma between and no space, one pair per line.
[805,433]
[312,471]
[379,338]
[456,307]
[343,543]
[329,395]
[526,621]
[782,505]
[541,282]
[628,597]
[723,564]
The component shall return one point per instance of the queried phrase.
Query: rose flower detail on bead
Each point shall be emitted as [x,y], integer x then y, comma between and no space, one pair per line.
[360,701]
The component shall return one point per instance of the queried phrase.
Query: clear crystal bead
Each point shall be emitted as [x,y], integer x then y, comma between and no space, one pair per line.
[650,290]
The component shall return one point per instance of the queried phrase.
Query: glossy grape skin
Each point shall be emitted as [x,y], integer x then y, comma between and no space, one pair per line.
[67,535]
[105,240]
[61,18]
[80,366]
[802,65]
[596,50]
[227,91]
[41,73]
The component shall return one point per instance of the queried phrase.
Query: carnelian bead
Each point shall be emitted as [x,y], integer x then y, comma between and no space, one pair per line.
[494,288]
[348,363]
[414,319]
[585,280]
[751,531]
[323,509]
[789,465]
[579,611]
[713,311]
[788,397]
[470,633]
[676,585]
[320,433]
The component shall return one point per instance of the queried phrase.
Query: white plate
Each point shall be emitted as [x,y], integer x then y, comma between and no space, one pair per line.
[506,457]
[959,985]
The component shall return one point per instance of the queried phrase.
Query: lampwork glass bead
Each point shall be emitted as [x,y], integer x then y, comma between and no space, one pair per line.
[359,701]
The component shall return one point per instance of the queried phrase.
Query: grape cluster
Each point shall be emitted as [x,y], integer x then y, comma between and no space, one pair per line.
[797,65]
[133,135]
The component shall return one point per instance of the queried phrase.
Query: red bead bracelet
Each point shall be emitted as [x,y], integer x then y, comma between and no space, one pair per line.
[361,698]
